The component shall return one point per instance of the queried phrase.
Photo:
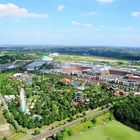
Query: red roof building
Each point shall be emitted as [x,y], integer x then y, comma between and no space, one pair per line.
[66,81]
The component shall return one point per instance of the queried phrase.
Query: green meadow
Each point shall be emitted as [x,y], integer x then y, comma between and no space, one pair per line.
[77,58]
[111,131]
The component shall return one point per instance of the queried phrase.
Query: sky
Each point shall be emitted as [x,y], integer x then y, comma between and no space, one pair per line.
[70,22]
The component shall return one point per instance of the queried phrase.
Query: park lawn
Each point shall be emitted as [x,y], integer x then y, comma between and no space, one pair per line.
[88,124]
[111,131]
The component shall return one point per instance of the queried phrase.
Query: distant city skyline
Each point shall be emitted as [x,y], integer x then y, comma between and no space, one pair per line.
[70,22]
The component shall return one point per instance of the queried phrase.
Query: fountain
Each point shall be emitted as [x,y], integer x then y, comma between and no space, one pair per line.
[22,99]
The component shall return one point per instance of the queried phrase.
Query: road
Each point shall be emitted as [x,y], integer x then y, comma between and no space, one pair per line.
[14,63]
[52,132]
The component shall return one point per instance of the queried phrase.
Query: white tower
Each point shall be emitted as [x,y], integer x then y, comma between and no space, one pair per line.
[22,99]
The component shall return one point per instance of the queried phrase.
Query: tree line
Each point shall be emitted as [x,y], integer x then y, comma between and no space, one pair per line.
[127,111]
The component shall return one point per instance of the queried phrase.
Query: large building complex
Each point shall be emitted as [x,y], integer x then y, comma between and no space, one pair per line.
[36,65]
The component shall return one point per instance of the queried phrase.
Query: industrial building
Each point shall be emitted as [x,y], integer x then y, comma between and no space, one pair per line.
[36,65]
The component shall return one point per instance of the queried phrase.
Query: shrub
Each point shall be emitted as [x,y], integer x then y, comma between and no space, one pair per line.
[36,132]
[93,120]
[70,133]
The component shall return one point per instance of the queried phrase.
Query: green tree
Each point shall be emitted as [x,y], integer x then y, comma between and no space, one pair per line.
[70,133]
[36,132]
[93,120]
[4,138]
[59,136]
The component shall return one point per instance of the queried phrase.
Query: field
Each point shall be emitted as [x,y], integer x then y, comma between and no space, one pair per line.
[3,125]
[11,134]
[89,59]
[2,119]
[16,136]
[110,131]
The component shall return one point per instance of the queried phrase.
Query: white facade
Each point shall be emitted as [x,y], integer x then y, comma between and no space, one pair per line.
[22,100]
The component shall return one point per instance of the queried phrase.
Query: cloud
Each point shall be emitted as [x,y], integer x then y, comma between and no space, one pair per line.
[12,10]
[49,26]
[129,29]
[105,1]
[88,25]
[76,23]
[135,14]
[37,33]
[89,13]
[60,8]
[102,26]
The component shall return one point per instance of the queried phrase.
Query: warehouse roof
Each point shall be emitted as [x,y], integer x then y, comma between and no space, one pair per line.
[36,64]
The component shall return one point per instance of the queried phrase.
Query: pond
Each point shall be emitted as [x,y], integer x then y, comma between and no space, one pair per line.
[29,80]
[76,84]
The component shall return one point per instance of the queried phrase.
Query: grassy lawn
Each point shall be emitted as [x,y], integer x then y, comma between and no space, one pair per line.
[88,59]
[111,131]
[5,76]
[16,136]
[2,78]
[85,125]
